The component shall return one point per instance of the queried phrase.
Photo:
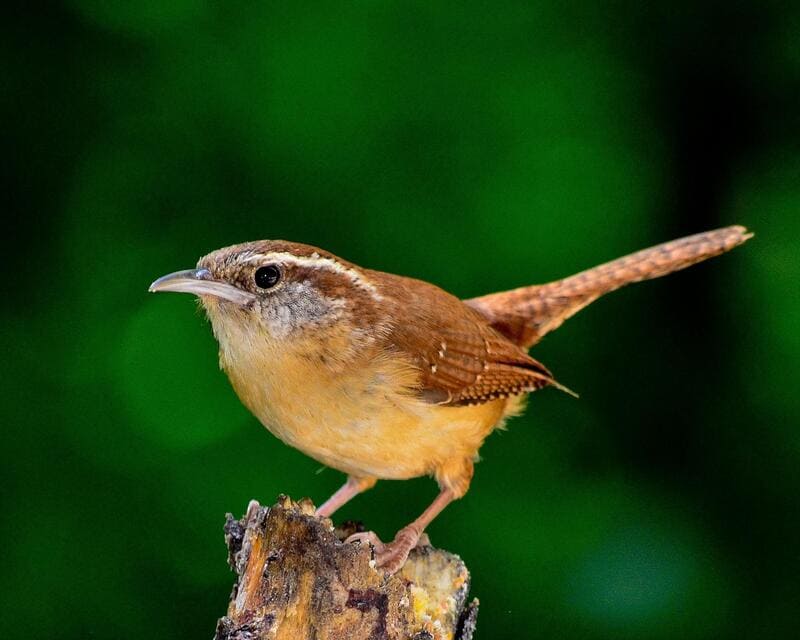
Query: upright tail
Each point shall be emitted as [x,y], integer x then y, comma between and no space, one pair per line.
[526,314]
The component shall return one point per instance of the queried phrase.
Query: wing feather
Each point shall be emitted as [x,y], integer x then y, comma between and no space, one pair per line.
[460,357]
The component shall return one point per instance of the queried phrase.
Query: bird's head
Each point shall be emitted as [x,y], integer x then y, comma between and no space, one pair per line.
[279,292]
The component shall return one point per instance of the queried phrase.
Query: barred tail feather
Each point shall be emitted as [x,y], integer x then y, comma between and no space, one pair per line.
[526,314]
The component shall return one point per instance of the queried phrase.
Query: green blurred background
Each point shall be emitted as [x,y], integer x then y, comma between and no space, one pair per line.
[480,147]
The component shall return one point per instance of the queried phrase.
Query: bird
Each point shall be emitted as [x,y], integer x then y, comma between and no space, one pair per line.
[382,376]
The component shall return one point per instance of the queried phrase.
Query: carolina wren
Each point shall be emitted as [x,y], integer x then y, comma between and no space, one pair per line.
[386,377]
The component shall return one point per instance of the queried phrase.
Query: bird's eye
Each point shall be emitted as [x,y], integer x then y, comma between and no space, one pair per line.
[267,277]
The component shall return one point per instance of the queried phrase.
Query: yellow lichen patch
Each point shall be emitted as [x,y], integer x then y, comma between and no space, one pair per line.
[438,588]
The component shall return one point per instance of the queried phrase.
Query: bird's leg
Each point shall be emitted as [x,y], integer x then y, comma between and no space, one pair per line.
[344,494]
[392,555]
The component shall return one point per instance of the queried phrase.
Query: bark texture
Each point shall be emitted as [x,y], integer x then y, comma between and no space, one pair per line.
[296,579]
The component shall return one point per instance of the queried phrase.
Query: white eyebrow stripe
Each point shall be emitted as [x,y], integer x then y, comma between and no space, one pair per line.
[315,260]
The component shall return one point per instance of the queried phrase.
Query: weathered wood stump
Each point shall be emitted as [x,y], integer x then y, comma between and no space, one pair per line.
[297,579]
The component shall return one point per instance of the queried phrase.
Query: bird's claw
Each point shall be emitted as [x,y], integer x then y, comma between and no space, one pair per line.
[366,536]
[391,556]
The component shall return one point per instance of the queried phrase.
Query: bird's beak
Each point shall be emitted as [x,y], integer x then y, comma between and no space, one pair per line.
[201,283]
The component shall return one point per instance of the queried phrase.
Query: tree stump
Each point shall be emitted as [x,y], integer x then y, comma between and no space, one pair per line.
[297,579]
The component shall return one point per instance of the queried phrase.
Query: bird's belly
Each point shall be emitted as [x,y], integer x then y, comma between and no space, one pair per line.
[391,441]
[367,430]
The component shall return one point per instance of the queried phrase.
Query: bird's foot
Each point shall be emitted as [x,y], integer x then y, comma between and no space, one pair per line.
[392,556]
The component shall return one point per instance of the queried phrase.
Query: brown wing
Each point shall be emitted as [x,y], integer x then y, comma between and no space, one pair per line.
[526,314]
[462,360]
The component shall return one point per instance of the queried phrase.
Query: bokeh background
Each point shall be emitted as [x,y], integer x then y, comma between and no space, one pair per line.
[481,147]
